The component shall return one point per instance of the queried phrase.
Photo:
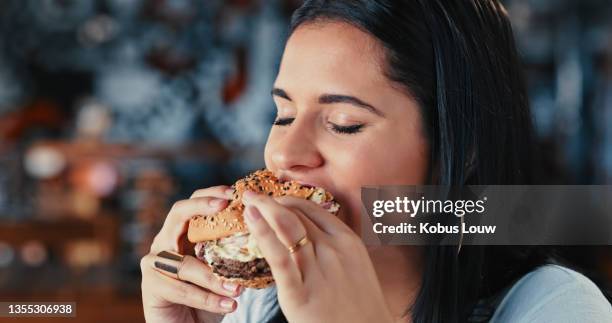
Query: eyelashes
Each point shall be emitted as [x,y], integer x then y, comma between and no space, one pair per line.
[347,129]
[283,121]
[352,129]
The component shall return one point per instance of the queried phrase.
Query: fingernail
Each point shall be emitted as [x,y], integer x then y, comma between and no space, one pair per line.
[216,202]
[253,213]
[247,195]
[230,286]
[227,303]
[229,192]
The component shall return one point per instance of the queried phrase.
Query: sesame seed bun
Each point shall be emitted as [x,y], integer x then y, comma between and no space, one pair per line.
[230,220]
[227,227]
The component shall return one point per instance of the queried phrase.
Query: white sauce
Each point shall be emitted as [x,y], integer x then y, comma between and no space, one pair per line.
[229,247]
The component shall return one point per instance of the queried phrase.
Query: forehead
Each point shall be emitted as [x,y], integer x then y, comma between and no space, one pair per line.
[331,56]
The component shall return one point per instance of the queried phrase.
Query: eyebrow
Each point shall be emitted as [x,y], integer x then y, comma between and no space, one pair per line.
[333,98]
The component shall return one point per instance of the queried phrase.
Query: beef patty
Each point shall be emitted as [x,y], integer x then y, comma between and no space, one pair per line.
[231,268]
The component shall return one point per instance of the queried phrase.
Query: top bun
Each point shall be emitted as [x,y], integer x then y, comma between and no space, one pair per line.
[230,220]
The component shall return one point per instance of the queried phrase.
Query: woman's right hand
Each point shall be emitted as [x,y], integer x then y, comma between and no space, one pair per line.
[199,295]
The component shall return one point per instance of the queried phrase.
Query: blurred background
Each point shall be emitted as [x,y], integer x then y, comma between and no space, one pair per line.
[111,110]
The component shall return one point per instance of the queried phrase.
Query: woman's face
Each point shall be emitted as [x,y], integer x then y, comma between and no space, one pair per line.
[341,124]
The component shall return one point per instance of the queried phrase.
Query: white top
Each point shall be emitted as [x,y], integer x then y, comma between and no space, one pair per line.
[254,306]
[553,293]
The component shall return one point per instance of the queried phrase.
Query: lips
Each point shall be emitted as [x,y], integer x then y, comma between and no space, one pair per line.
[305,183]
[284,178]
[313,185]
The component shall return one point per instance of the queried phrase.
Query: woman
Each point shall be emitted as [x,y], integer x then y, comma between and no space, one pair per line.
[382,92]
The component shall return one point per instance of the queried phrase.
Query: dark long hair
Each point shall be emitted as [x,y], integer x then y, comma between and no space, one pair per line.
[458,60]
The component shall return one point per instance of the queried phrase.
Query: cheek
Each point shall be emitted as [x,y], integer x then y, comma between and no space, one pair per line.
[268,148]
[368,162]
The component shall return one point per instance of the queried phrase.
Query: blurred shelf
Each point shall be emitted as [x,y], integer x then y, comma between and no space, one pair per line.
[77,149]
[103,227]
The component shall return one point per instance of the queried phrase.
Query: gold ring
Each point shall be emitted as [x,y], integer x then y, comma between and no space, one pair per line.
[304,240]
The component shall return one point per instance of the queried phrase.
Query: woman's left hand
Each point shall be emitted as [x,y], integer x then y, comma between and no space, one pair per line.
[330,279]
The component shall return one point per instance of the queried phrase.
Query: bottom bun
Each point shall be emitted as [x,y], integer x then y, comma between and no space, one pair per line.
[257,282]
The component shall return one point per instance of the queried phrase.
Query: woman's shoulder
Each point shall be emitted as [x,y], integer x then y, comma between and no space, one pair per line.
[554,293]
[254,305]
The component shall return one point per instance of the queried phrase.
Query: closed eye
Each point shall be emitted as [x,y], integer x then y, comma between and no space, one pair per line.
[352,129]
[283,121]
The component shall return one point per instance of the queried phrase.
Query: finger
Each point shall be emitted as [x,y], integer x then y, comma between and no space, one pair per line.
[221,191]
[202,202]
[193,270]
[177,220]
[205,201]
[332,231]
[321,239]
[312,230]
[183,210]
[327,256]
[284,269]
[284,221]
[179,292]
[326,221]
[288,228]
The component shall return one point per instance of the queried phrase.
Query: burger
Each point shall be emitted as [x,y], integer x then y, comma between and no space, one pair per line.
[222,240]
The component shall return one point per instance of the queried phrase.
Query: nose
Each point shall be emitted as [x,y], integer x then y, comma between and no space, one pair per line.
[295,148]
